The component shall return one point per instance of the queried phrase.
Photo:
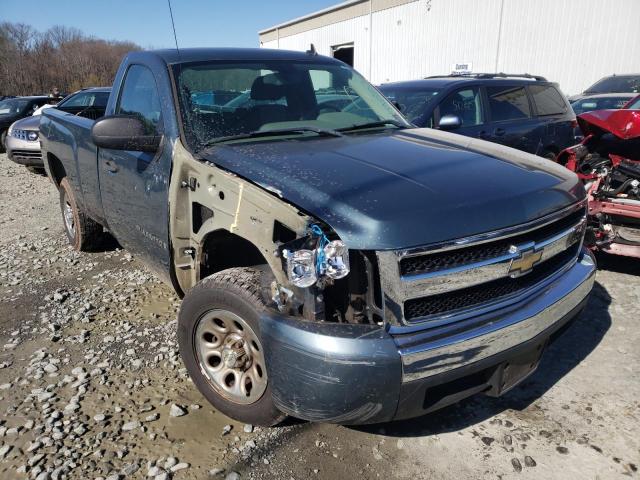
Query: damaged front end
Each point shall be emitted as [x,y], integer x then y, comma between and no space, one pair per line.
[328,282]
[608,162]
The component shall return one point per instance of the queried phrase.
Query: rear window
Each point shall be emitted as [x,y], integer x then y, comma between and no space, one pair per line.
[508,103]
[548,100]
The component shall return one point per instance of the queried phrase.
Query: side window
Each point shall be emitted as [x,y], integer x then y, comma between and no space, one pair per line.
[101,99]
[139,97]
[508,103]
[465,104]
[79,100]
[635,105]
[548,100]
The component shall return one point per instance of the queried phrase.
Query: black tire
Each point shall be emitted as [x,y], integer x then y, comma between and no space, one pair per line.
[239,291]
[3,141]
[83,232]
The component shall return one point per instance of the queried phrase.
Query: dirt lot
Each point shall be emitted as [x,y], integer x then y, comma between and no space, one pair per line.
[92,386]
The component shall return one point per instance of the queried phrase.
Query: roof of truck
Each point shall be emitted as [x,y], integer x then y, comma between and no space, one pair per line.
[186,55]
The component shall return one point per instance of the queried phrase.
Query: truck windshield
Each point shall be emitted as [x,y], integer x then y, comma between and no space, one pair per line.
[220,100]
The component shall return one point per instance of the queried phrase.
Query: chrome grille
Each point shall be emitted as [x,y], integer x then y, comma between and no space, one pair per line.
[442,281]
[457,300]
[464,256]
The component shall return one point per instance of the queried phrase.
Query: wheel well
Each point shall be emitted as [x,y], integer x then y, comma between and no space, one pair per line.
[222,249]
[56,168]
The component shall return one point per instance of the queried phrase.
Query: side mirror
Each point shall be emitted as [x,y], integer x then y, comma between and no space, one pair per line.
[450,122]
[124,132]
[397,105]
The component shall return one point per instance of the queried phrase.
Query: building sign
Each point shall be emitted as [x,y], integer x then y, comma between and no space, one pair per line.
[463,67]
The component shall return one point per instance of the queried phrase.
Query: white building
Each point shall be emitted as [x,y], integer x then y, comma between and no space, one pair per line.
[572,42]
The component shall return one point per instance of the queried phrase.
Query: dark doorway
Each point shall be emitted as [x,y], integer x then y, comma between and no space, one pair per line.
[344,53]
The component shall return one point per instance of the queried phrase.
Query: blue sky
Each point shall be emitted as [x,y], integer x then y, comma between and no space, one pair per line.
[199,23]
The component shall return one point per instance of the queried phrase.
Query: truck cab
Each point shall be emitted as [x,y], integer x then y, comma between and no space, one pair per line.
[336,263]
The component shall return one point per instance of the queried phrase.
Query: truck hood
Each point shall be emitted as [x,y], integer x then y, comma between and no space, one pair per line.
[624,124]
[404,188]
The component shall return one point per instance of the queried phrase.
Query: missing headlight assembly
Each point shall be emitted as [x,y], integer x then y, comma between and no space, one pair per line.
[331,282]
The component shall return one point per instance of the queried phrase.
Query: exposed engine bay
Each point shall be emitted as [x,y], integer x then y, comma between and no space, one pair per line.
[608,161]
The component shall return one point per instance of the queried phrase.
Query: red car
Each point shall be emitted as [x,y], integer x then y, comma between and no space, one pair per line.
[608,161]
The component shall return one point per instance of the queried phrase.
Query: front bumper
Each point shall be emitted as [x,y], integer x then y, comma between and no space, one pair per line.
[24,152]
[356,374]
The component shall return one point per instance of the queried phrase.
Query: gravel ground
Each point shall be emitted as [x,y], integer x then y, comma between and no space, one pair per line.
[92,386]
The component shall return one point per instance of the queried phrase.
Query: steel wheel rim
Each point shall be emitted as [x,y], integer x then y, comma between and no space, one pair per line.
[67,213]
[230,356]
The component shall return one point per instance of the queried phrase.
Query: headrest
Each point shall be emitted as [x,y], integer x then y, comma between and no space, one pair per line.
[267,87]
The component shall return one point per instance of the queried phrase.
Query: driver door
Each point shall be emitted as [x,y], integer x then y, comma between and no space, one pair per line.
[466,104]
[135,185]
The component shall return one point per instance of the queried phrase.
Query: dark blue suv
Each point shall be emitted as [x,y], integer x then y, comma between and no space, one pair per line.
[521,111]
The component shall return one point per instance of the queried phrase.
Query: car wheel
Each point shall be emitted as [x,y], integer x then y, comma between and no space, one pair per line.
[3,141]
[81,230]
[220,344]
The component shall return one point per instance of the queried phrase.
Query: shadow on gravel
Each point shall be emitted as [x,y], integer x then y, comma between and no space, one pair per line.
[105,243]
[618,263]
[569,349]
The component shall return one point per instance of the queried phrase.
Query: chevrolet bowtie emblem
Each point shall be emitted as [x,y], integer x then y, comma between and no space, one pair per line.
[525,263]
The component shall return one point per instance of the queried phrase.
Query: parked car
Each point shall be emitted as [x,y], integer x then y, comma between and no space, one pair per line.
[603,101]
[339,266]
[13,109]
[628,83]
[22,143]
[608,161]
[520,111]
[88,103]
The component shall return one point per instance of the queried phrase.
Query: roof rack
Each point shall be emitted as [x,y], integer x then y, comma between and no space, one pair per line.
[528,76]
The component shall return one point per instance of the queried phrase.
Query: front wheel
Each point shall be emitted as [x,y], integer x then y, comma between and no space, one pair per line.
[3,141]
[220,344]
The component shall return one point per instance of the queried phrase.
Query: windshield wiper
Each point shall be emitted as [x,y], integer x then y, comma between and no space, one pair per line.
[274,133]
[381,123]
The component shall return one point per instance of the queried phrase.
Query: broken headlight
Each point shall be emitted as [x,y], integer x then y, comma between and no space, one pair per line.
[336,260]
[301,268]
[307,265]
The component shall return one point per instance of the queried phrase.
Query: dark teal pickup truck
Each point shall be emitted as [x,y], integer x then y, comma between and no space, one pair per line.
[337,263]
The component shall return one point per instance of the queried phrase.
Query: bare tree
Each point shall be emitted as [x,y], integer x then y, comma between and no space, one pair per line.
[32,62]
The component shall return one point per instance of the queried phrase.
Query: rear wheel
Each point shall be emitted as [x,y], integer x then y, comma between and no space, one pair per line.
[81,230]
[220,344]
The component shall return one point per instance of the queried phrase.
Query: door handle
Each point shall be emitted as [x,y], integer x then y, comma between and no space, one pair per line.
[498,132]
[111,166]
[483,134]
